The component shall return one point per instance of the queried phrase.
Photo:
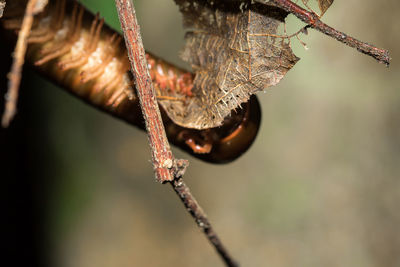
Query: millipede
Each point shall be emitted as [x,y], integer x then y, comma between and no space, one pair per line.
[79,52]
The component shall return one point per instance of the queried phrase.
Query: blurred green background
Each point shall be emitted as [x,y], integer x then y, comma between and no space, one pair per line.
[320,186]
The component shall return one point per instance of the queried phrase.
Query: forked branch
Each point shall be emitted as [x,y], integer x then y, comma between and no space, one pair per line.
[314,21]
[166,167]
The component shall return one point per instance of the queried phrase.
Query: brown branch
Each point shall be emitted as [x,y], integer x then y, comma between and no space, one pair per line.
[162,157]
[33,7]
[314,21]
[15,75]
[166,167]
[201,219]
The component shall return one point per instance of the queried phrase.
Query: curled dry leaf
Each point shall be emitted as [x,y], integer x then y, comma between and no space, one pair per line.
[234,51]
[323,5]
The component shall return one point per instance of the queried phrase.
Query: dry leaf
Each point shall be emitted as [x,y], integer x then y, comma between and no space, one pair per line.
[234,52]
[323,5]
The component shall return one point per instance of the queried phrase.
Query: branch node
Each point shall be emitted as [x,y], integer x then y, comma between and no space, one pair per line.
[180,167]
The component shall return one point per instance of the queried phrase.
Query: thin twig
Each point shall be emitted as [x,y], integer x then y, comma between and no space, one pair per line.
[166,167]
[33,7]
[202,221]
[314,21]
[15,75]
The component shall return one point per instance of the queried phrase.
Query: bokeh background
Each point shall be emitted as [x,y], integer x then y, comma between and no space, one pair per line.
[320,186]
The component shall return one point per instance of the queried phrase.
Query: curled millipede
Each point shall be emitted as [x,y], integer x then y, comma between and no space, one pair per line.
[79,52]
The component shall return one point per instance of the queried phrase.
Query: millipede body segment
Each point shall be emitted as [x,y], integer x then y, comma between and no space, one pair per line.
[79,52]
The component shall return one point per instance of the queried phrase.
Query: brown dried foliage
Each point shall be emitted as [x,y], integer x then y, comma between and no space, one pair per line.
[235,52]
[323,5]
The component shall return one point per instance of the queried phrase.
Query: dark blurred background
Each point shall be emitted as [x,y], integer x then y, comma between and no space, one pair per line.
[320,186]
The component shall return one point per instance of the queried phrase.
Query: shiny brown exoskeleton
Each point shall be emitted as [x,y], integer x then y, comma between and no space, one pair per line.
[75,50]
